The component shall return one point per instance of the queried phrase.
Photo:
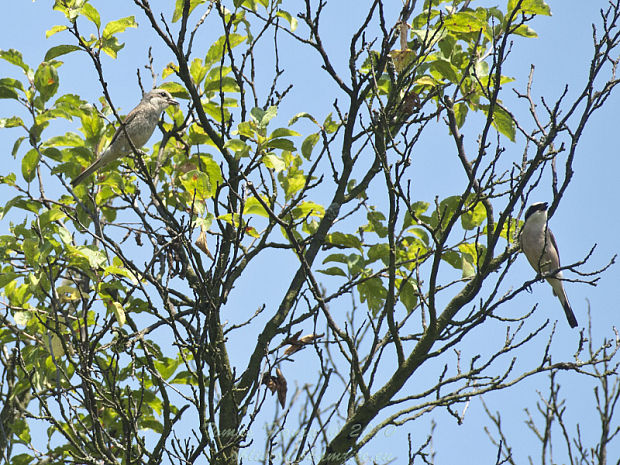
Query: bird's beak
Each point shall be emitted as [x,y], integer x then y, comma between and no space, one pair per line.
[172,101]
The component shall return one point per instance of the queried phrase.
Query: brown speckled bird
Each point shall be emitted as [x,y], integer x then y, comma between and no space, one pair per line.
[139,126]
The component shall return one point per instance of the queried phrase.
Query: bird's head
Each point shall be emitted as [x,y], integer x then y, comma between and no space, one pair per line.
[535,209]
[160,99]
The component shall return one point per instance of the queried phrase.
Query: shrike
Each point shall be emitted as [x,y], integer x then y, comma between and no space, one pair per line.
[541,250]
[138,125]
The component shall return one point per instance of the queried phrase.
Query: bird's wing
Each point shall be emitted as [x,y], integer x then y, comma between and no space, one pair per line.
[555,245]
[131,116]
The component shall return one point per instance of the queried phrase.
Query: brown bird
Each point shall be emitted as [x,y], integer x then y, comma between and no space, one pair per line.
[138,125]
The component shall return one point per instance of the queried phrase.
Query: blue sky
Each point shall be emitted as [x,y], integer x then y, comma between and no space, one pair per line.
[587,214]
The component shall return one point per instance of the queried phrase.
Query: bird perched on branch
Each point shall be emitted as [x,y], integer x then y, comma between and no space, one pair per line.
[138,125]
[541,250]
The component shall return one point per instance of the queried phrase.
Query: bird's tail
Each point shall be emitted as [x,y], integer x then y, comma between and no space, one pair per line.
[558,290]
[86,173]
[570,316]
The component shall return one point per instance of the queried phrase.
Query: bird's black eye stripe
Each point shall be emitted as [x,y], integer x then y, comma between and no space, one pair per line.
[535,208]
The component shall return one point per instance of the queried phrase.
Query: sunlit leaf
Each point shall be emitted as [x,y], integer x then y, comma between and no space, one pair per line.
[29,165]
[54,30]
[60,50]
[288,17]
[254,207]
[308,145]
[89,11]
[14,57]
[178,8]
[46,80]
[333,271]
[343,240]
[119,312]
[118,25]
[531,7]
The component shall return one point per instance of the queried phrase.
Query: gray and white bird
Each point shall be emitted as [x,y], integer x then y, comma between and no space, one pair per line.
[541,250]
[138,125]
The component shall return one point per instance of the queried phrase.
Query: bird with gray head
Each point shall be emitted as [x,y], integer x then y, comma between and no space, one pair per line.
[138,125]
[540,248]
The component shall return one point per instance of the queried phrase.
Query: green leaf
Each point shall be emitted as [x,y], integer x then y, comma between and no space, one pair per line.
[119,313]
[212,169]
[292,182]
[8,92]
[226,84]
[178,8]
[530,7]
[262,117]
[14,57]
[18,141]
[336,257]
[375,223]
[91,13]
[407,295]
[418,209]
[288,17]
[333,271]
[460,113]
[329,125]
[282,144]
[447,208]
[474,217]
[59,50]
[274,162]
[254,207]
[198,184]
[50,215]
[503,122]
[343,240]
[237,146]
[166,367]
[183,377]
[443,69]
[6,277]
[20,428]
[468,267]
[29,165]
[111,46]
[10,82]
[308,145]
[46,80]
[453,258]
[12,122]
[298,116]
[216,51]
[283,132]
[465,22]
[54,30]
[95,258]
[373,292]
[69,139]
[308,208]
[379,252]
[118,25]
[197,70]
[118,270]
[525,31]
[469,257]
[175,89]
